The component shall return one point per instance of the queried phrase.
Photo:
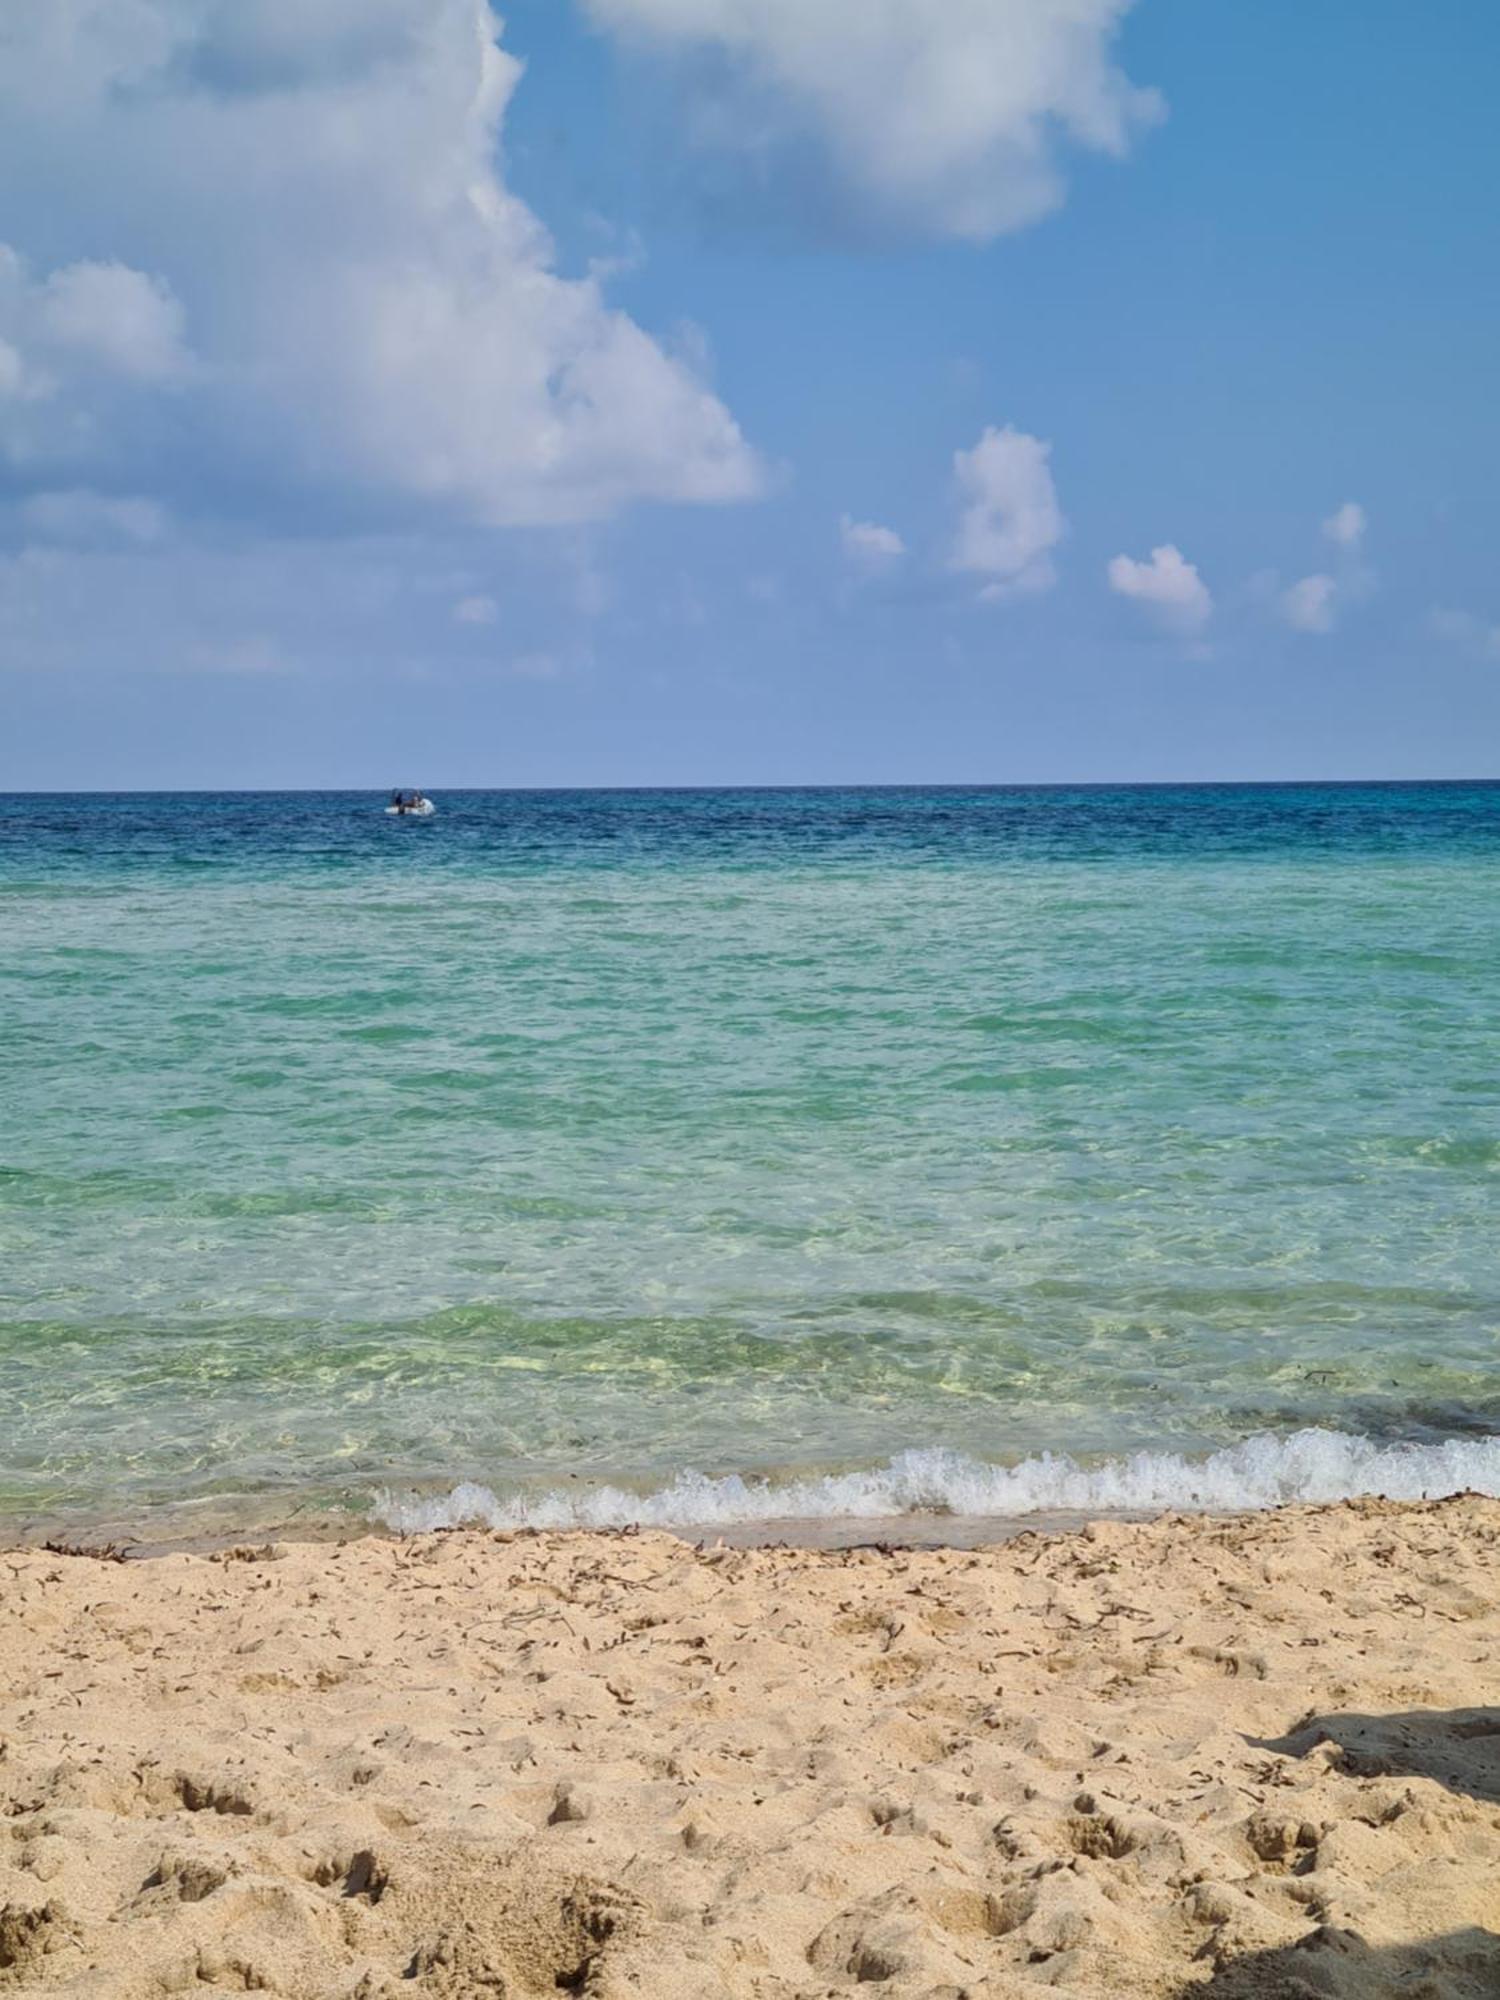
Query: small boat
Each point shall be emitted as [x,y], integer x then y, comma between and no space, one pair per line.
[411,805]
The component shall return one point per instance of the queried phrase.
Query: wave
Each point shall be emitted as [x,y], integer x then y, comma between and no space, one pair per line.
[1262,1471]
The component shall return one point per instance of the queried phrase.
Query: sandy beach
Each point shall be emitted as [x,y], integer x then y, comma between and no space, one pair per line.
[1256,1756]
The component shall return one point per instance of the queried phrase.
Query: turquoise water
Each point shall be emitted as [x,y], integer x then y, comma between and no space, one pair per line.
[876,1144]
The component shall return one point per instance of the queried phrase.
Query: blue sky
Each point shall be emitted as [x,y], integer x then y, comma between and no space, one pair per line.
[734,391]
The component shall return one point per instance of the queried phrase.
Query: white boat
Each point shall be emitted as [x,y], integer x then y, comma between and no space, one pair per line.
[411,805]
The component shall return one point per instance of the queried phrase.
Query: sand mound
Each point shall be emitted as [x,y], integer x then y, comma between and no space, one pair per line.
[1232,1759]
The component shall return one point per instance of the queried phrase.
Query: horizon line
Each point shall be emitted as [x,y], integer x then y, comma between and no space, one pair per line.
[746,785]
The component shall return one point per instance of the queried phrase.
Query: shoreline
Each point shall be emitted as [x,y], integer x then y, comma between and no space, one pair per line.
[1229,1756]
[84,1537]
[923,1496]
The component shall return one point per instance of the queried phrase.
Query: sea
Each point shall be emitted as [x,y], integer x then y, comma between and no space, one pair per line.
[722,1160]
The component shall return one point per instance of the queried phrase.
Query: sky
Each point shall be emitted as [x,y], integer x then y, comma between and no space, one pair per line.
[638,392]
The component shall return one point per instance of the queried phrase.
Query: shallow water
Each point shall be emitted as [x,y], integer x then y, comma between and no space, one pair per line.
[575,1142]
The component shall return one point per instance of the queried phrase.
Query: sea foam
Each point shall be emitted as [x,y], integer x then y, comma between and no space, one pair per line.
[1262,1471]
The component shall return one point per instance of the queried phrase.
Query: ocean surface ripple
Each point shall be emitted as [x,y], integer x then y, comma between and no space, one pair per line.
[608,1155]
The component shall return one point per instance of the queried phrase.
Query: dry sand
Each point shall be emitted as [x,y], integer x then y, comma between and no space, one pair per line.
[1220,1758]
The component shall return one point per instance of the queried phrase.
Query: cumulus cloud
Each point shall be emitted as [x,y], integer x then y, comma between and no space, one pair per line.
[1314,604]
[311,257]
[1168,586]
[950,117]
[1010,520]
[1310,605]
[868,543]
[119,318]
[73,342]
[1345,526]
[477,610]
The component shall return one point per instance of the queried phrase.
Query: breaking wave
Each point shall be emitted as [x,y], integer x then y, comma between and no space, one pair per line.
[1263,1471]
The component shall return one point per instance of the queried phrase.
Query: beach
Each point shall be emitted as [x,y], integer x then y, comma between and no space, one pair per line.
[1251,1756]
[750,890]
[752,1394]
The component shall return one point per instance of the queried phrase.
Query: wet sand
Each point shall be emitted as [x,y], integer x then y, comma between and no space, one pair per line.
[200,1531]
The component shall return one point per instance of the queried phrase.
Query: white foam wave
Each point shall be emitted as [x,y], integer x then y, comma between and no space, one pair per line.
[1263,1471]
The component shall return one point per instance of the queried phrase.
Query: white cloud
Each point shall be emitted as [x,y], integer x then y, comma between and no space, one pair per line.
[1010,521]
[1466,631]
[1169,586]
[477,610]
[868,543]
[86,518]
[946,116]
[73,345]
[118,318]
[311,196]
[1310,605]
[1345,526]
[1315,603]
